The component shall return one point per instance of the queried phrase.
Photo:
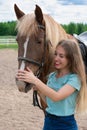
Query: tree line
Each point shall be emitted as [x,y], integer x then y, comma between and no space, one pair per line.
[9,28]
[75,28]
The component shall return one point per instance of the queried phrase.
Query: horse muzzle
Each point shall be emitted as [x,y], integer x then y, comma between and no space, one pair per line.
[23,86]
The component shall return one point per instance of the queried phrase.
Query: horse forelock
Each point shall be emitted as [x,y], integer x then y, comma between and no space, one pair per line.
[27,25]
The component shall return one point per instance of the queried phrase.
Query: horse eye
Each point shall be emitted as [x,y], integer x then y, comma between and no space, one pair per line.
[39,42]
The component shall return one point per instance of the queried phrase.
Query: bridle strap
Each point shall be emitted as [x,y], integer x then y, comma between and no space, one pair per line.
[29,60]
[35,99]
[35,96]
[43,58]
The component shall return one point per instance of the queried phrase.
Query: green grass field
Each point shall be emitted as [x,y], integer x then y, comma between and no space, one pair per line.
[10,46]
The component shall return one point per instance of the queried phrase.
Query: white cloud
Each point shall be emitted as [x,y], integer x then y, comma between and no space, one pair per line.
[71,13]
[74,2]
[61,13]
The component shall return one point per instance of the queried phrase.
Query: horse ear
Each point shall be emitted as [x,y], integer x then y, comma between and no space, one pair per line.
[18,12]
[38,14]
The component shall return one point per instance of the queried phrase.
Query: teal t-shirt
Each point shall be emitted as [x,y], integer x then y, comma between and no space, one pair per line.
[66,106]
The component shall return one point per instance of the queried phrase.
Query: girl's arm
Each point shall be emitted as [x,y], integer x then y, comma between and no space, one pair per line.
[64,92]
[29,77]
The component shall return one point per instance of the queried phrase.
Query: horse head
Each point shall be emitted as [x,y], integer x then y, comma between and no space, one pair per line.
[32,44]
[37,37]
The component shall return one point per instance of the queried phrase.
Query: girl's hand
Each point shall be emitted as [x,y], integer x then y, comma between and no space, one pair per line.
[26,76]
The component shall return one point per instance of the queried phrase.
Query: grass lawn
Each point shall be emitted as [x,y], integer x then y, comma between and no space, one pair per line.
[10,46]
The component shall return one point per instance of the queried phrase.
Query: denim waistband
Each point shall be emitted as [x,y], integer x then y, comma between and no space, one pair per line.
[54,116]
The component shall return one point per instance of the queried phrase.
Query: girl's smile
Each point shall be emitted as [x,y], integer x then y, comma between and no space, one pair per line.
[60,59]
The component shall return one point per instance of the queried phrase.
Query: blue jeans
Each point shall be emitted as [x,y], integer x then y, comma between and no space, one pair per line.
[52,122]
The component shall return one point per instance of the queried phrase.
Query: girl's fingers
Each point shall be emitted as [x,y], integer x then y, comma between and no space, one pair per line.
[22,72]
[28,69]
[25,71]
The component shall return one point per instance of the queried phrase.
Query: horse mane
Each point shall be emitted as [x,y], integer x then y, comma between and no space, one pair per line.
[54,31]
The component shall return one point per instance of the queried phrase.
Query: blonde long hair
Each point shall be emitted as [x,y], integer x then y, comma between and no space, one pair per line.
[76,65]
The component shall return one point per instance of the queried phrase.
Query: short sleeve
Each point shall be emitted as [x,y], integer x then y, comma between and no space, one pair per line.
[74,81]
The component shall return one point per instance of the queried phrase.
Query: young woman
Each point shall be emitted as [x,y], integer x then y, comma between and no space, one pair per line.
[66,91]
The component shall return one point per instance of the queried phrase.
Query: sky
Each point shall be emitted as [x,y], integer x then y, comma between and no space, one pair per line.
[63,11]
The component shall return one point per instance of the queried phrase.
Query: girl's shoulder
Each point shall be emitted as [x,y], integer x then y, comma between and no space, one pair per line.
[74,81]
[74,76]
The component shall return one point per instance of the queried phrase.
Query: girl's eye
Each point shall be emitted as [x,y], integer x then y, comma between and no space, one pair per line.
[61,56]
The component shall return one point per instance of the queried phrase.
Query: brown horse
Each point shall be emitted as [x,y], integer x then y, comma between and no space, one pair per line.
[38,35]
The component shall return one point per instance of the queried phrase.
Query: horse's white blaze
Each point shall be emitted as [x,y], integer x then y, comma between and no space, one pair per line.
[25,50]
